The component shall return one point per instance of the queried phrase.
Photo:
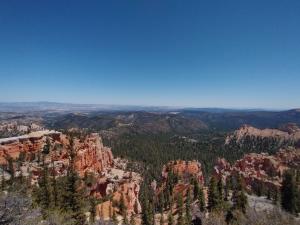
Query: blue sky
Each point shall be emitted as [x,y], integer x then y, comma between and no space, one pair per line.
[241,54]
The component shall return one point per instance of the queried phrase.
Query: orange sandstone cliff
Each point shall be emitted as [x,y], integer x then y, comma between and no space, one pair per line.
[260,169]
[91,157]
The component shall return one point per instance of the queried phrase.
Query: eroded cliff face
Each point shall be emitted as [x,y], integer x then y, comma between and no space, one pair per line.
[288,134]
[30,143]
[91,157]
[182,173]
[260,170]
[184,169]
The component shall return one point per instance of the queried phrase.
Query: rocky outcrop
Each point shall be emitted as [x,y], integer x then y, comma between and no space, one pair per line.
[129,191]
[14,127]
[30,143]
[287,134]
[184,169]
[183,172]
[260,170]
[91,157]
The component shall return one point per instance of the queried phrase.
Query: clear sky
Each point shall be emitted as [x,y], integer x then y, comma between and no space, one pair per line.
[210,53]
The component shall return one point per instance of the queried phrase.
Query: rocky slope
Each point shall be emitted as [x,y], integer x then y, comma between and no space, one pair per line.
[260,170]
[259,140]
[91,157]
[185,170]
[27,144]
[178,176]
[116,123]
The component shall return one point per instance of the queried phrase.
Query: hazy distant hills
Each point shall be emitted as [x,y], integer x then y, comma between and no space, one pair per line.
[230,120]
[70,107]
[140,119]
[129,122]
[180,122]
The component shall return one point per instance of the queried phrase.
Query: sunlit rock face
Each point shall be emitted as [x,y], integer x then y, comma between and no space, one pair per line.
[260,169]
[30,143]
[120,185]
[289,134]
[91,157]
[184,169]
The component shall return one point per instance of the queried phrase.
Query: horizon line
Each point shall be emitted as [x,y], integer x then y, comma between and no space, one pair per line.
[153,106]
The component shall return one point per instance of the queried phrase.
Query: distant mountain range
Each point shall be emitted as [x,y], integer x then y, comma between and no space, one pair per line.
[145,119]
[181,122]
[71,107]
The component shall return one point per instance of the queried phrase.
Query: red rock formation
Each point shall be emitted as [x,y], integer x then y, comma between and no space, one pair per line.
[129,191]
[260,168]
[184,169]
[92,156]
[31,143]
[289,132]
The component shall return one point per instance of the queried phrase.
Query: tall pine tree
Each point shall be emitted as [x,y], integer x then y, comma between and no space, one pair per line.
[213,195]
[170,218]
[180,210]
[71,197]
[42,194]
[290,193]
[188,208]
[221,193]
[201,200]
[239,197]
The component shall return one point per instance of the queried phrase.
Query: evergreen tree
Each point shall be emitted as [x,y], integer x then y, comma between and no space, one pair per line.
[201,199]
[3,181]
[230,218]
[170,218]
[188,208]
[220,193]
[180,210]
[213,195]
[71,197]
[43,192]
[161,201]
[226,192]
[54,193]
[46,148]
[166,198]
[289,193]
[147,218]
[92,209]
[11,169]
[196,188]
[276,197]
[171,202]
[240,200]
